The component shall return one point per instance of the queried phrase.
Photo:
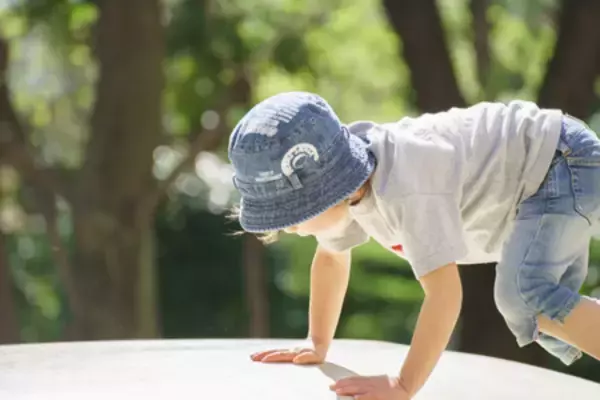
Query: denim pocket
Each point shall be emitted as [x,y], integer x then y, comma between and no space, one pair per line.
[585,181]
[583,160]
[549,188]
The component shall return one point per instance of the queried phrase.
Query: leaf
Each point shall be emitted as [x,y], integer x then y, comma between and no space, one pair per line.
[291,53]
[13,26]
[82,16]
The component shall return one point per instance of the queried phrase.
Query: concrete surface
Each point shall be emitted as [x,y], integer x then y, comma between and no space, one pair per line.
[221,369]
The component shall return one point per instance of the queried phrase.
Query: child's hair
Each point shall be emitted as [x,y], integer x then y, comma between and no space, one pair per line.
[273,236]
[264,237]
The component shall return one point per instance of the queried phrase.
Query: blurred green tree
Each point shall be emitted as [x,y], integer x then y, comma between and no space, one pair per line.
[9,329]
[142,102]
[109,278]
[219,58]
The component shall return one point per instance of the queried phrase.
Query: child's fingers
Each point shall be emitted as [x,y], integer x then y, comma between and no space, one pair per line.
[298,356]
[279,356]
[307,357]
[349,391]
[262,354]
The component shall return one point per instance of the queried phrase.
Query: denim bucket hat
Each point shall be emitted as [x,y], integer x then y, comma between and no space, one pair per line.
[293,159]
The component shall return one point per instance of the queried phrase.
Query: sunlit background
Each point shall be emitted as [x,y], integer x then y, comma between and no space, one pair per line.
[114,181]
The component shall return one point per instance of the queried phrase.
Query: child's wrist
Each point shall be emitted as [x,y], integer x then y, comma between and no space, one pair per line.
[321,349]
[402,385]
[319,345]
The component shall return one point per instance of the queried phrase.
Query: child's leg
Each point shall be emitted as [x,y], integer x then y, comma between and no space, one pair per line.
[544,261]
[580,327]
[549,340]
[530,279]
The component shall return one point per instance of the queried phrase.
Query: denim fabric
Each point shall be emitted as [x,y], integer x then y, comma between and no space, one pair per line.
[294,159]
[545,260]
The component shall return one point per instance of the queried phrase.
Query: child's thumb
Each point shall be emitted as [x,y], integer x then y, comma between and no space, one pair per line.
[307,357]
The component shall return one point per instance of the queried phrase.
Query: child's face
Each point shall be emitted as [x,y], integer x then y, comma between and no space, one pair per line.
[330,220]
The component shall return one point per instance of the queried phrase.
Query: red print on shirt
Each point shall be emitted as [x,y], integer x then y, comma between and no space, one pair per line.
[398,248]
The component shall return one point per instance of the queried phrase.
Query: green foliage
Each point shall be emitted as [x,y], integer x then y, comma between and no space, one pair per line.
[37,287]
[343,49]
[291,61]
[200,274]
[518,31]
[204,51]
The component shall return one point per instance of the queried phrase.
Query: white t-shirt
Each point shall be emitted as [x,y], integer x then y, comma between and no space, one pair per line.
[447,185]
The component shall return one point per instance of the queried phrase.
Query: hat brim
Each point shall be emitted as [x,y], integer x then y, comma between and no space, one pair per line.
[338,182]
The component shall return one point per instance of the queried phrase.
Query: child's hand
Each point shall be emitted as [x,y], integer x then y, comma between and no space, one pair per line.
[297,356]
[381,387]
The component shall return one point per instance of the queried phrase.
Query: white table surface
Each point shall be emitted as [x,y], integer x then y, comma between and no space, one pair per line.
[222,369]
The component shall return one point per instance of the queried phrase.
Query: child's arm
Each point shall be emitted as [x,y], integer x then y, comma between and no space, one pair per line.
[329,281]
[330,273]
[437,319]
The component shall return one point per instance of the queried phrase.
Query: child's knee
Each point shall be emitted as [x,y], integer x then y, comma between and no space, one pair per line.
[503,296]
[532,293]
[508,301]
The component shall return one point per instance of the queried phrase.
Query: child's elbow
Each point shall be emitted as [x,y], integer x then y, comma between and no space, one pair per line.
[444,283]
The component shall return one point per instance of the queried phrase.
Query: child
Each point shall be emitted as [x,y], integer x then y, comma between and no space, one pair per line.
[507,183]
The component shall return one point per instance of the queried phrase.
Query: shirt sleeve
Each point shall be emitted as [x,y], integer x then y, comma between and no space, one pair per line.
[432,230]
[352,235]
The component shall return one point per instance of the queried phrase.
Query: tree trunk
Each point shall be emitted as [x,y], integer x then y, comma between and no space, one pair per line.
[113,270]
[418,25]
[481,29]
[257,298]
[9,328]
[572,72]
[111,300]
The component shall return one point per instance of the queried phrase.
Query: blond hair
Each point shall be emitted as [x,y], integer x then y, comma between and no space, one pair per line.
[265,237]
